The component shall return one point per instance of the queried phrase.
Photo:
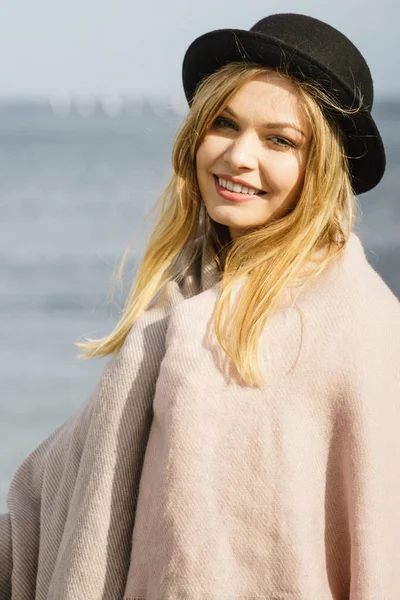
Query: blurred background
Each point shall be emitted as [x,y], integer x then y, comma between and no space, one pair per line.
[90,100]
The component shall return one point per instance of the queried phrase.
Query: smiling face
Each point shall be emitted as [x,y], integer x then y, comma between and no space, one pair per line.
[261,138]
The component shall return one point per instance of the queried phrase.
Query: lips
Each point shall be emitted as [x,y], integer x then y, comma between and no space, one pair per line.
[236,197]
[240,182]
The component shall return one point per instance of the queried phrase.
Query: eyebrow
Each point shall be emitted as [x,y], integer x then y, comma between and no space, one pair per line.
[272,124]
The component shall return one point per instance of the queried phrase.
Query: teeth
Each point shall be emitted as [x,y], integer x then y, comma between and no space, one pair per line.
[236,187]
[246,190]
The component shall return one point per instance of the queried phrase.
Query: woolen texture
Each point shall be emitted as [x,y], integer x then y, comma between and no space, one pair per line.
[286,493]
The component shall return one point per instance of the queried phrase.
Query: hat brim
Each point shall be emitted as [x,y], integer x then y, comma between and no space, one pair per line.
[211,51]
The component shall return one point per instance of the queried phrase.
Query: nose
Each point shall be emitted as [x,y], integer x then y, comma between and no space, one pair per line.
[242,152]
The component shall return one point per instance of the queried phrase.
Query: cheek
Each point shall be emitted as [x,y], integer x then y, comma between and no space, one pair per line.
[200,166]
[285,172]
[210,151]
[202,160]
[202,169]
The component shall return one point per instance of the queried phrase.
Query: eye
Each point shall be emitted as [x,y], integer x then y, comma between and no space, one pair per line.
[279,141]
[223,122]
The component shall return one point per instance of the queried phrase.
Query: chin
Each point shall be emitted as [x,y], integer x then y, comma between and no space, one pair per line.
[229,223]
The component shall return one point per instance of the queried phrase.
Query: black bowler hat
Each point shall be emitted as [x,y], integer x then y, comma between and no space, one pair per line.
[310,50]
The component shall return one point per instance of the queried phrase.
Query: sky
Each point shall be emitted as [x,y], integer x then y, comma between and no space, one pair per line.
[135,48]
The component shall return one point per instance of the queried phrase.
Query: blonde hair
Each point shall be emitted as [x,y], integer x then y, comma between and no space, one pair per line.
[272,256]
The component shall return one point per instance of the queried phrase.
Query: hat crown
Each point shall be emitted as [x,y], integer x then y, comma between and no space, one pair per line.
[324,45]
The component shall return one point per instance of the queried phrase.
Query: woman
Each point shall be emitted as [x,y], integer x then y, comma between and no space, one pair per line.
[274,472]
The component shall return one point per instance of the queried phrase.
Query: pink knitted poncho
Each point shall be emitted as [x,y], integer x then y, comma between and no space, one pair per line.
[289,492]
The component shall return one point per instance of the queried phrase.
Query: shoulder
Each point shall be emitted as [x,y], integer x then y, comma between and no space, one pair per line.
[350,310]
[364,288]
[369,323]
[367,312]
[352,288]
